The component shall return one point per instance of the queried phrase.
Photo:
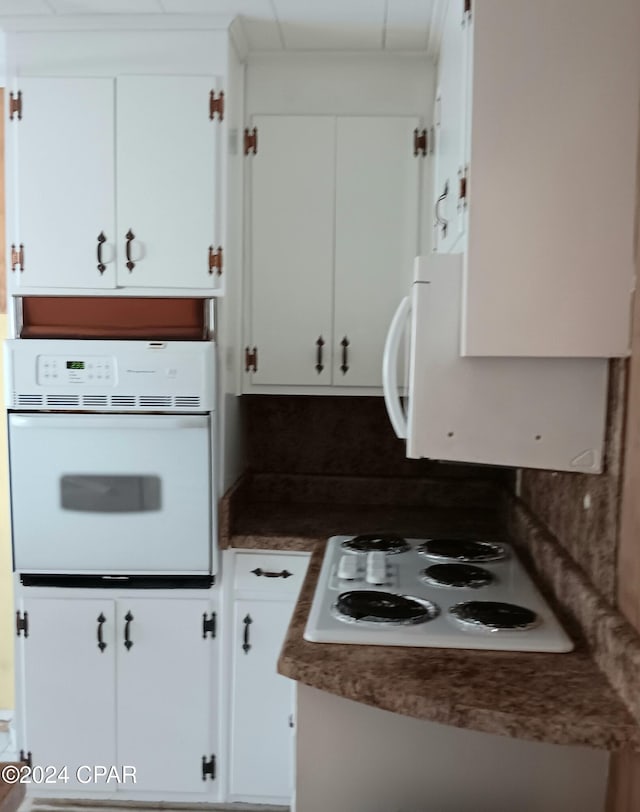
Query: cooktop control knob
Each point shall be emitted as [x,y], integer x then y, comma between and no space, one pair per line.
[348,568]
[376,568]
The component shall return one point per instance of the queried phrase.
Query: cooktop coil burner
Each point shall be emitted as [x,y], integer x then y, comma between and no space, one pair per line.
[368,606]
[464,550]
[494,616]
[457,575]
[378,598]
[375,542]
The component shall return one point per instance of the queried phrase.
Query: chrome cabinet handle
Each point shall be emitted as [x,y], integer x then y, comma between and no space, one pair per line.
[130,236]
[440,221]
[319,364]
[127,639]
[344,367]
[101,241]
[101,621]
[246,645]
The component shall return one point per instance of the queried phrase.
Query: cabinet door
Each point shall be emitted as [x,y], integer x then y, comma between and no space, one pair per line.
[449,213]
[552,185]
[166,181]
[261,704]
[291,249]
[376,239]
[165,692]
[64,182]
[68,687]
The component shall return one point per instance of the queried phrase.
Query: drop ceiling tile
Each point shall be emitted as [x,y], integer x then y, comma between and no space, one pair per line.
[105,6]
[15,7]
[259,9]
[332,24]
[408,24]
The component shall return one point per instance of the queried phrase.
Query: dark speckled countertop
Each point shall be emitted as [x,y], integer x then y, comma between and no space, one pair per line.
[558,698]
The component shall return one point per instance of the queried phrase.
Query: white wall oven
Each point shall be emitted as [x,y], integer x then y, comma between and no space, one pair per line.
[112,457]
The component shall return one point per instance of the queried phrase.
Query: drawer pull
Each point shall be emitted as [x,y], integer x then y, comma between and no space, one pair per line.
[246,645]
[267,574]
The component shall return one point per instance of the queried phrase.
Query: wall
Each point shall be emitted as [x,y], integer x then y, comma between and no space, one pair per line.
[340,436]
[582,510]
[6,588]
[6,591]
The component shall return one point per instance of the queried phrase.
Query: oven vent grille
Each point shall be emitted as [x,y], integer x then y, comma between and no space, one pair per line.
[123,400]
[63,400]
[155,400]
[95,400]
[187,402]
[27,400]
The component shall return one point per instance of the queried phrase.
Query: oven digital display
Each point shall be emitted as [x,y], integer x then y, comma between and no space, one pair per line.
[75,364]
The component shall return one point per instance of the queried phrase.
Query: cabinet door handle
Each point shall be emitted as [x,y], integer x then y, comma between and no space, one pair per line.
[440,221]
[127,638]
[270,574]
[345,355]
[246,645]
[130,237]
[101,621]
[101,241]
[319,345]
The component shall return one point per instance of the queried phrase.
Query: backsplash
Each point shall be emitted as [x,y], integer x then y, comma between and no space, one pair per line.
[339,436]
[582,510]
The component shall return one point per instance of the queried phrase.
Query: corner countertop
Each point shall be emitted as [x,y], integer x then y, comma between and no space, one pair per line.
[556,698]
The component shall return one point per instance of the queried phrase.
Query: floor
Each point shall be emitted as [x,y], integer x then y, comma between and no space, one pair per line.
[42,805]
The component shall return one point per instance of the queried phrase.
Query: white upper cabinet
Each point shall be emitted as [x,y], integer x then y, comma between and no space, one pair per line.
[449,132]
[291,249]
[376,239]
[64,191]
[166,183]
[115,184]
[333,232]
[552,151]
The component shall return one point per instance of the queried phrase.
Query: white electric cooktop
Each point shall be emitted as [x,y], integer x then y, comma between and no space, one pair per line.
[469,593]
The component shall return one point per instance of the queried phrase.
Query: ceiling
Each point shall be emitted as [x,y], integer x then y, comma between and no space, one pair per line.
[275,25]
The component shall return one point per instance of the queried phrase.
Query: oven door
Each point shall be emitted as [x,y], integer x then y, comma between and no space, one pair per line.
[111,493]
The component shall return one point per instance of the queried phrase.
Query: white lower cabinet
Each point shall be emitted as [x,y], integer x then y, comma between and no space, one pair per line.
[264,588]
[124,681]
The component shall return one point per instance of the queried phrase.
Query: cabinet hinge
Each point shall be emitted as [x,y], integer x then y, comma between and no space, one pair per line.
[17,257]
[215,260]
[216,105]
[209,768]
[25,758]
[420,142]
[22,624]
[466,10]
[251,359]
[15,105]
[209,625]
[251,141]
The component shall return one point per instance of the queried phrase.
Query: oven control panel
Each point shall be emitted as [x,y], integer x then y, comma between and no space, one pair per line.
[57,369]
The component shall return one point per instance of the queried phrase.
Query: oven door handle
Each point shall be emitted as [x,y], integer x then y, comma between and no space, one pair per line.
[390,368]
[110,421]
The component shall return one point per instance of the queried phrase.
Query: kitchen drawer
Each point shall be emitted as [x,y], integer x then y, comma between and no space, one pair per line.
[277,573]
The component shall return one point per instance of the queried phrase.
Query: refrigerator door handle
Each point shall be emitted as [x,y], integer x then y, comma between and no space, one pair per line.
[390,368]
